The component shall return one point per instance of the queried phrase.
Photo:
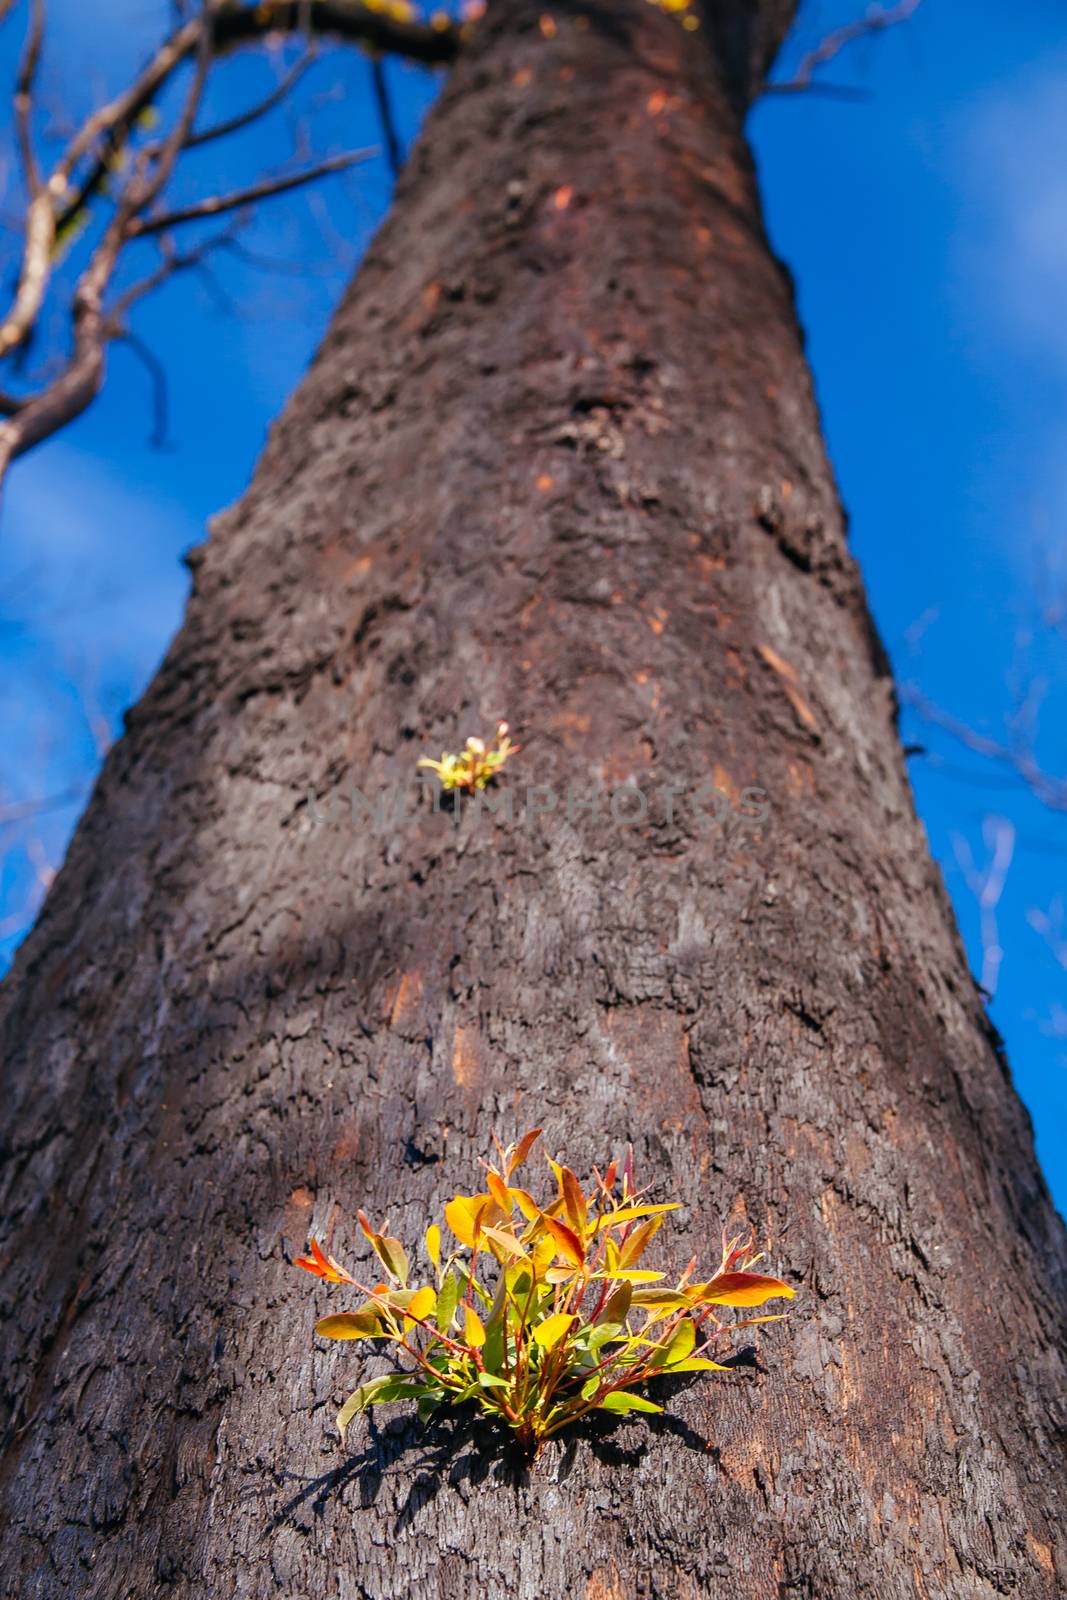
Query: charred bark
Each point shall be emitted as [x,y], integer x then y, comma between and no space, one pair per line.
[557,460]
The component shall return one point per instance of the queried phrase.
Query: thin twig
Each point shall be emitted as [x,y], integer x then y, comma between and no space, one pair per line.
[143,227]
[157,376]
[108,128]
[1020,758]
[385,116]
[221,130]
[987,886]
[173,262]
[22,811]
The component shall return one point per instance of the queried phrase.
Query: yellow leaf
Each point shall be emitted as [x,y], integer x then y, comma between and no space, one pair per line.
[630,1213]
[474,1328]
[421,1304]
[628,1275]
[544,1253]
[462,1216]
[505,1242]
[433,1245]
[527,1204]
[549,1333]
[351,1325]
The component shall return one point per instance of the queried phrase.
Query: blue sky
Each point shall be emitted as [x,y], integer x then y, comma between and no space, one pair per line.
[926,226]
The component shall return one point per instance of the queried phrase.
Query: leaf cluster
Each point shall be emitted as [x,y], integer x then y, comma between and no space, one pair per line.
[539,1315]
[475,765]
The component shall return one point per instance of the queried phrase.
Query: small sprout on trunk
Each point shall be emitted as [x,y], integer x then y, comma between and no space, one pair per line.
[476,765]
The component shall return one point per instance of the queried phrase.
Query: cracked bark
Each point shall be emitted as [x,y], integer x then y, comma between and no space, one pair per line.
[557,459]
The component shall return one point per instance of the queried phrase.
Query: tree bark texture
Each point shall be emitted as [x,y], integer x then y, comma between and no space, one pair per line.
[557,460]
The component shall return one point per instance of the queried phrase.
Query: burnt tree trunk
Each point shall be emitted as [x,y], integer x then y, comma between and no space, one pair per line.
[557,460]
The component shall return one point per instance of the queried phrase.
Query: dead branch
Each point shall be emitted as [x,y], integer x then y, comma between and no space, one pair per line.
[24,811]
[60,202]
[1051,925]
[67,396]
[875,20]
[57,201]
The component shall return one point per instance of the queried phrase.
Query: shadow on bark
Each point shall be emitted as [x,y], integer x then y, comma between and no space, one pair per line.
[470,1450]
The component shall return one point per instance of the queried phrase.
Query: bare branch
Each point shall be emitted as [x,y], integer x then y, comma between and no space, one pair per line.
[69,394]
[875,20]
[27,72]
[173,262]
[236,26]
[1019,757]
[59,200]
[105,131]
[142,227]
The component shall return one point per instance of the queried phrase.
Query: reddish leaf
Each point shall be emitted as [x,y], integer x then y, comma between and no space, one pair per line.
[573,1200]
[566,1240]
[740,1289]
[526,1144]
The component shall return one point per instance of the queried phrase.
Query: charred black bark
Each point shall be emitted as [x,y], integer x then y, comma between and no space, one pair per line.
[557,460]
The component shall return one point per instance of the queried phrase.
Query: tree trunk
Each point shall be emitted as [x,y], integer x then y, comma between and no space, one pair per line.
[558,460]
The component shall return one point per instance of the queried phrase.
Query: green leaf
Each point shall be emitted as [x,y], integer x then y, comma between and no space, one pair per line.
[493,1349]
[682,1341]
[604,1333]
[620,1402]
[392,1386]
[489,1380]
[447,1300]
[660,1299]
[466,1394]
[393,1256]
